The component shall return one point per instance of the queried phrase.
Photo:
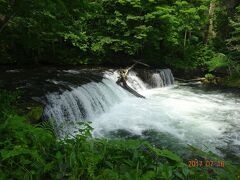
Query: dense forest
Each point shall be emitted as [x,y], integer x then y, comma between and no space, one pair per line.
[194,37]
[190,34]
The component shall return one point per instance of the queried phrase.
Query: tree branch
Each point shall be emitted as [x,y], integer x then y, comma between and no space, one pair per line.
[6,21]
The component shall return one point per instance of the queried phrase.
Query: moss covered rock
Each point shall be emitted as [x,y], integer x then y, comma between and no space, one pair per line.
[35,114]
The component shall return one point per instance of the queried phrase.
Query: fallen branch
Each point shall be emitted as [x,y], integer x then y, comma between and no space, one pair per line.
[122,79]
[138,62]
[124,85]
[189,80]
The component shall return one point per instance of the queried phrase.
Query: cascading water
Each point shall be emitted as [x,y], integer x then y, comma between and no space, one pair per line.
[187,115]
[135,82]
[162,78]
[82,103]
[156,78]
[90,100]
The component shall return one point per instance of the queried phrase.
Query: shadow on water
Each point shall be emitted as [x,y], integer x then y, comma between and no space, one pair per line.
[168,142]
[35,83]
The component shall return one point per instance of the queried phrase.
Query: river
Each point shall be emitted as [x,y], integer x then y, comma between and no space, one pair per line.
[172,115]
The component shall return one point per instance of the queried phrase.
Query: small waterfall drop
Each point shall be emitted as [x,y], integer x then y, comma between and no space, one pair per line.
[156,80]
[90,100]
[166,76]
[82,103]
[161,78]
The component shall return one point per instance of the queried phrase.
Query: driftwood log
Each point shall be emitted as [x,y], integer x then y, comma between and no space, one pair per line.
[189,80]
[122,79]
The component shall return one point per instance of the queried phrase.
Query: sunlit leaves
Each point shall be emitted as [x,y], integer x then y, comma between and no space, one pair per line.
[218,61]
[133,3]
[79,40]
[80,30]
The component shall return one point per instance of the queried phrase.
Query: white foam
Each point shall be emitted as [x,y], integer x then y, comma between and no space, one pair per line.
[199,119]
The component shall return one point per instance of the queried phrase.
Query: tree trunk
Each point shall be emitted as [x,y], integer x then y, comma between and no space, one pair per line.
[122,79]
[122,82]
[185,39]
[211,33]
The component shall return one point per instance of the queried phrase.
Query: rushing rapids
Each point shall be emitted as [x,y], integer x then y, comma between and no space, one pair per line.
[90,100]
[177,114]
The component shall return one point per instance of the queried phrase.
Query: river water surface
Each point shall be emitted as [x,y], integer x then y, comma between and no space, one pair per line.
[172,115]
[183,115]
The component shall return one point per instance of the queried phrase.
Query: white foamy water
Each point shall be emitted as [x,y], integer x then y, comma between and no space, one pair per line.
[203,120]
[80,104]
[194,117]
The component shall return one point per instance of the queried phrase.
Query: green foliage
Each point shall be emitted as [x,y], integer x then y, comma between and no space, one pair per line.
[209,77]
[231,81]
[161,33]
[234,40]
[195,58]
[33,152]
[218,61]
[202,55]
[6,100]
[76,32]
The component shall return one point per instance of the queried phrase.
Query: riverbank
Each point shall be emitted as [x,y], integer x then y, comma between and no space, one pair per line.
[233,82]
[34,152]
[224,84]
[35,149]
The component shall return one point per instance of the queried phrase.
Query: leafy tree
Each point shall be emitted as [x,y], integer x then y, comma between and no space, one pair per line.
[91,32]
[233,43]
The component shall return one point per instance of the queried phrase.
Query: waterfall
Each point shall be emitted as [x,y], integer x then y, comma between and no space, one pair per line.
[156,78]
[161,78]
[90,100]
[82,103]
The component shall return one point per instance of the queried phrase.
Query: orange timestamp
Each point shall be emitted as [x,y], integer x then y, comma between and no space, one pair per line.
[205,163]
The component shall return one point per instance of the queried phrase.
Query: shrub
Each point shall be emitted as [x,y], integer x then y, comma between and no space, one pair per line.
[218,61]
